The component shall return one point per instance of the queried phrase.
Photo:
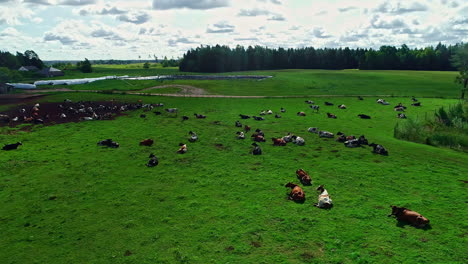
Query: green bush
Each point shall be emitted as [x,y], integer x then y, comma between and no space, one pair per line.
[447,128]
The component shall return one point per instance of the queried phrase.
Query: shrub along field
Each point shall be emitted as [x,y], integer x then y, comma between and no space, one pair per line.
[67,200]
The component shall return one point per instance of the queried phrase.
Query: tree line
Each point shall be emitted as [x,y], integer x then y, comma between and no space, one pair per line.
[224,59]
[14,62]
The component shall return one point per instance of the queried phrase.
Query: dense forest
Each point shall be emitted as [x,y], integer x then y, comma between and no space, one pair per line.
[224,59]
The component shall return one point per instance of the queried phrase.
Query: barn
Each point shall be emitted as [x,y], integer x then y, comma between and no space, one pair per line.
[51,72]
[28,69]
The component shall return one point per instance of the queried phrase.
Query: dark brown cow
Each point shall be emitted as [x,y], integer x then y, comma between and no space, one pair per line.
[406,215]
[278,142]
[147,142]
[296,194]
[304,177]
[258,138]
[301,114]
[247,128]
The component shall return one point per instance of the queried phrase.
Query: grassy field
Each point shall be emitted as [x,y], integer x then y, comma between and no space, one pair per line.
[67,200]
[291,82]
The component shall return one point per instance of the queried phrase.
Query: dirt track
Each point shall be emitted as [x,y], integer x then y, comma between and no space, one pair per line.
[190,91]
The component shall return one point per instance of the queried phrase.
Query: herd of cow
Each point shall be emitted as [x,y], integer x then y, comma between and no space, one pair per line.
[296,194]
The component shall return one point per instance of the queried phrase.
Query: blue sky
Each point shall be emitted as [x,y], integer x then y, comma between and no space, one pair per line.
[113,29]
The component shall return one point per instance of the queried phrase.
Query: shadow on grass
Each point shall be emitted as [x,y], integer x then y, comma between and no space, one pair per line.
[402,224]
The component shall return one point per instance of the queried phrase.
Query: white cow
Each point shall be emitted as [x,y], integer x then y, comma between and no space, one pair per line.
[324,200]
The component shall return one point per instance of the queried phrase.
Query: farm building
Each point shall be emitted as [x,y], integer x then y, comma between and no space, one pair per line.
[28,68]
[51,72]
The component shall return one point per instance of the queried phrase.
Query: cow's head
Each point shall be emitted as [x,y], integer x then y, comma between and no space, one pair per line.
[422,221]
[321,188]
[396,210]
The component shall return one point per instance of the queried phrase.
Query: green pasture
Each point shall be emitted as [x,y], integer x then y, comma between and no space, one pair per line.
[294,82]
[67,200]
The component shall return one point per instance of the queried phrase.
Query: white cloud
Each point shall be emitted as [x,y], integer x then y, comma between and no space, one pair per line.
[221,27]
[190,4]
[135,18]
[76,2]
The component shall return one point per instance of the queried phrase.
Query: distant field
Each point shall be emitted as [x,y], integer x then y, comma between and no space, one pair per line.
[293,82]
[67,200]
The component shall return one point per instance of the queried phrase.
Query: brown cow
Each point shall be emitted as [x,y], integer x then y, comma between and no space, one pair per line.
[147,142]
[304,177]
[331,115]
[296,194]
[406,215]
[247,128]
[278,142]
[301,114]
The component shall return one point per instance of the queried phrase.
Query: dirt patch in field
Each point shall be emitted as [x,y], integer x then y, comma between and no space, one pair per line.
[6,99]
[49,113]
[184,89]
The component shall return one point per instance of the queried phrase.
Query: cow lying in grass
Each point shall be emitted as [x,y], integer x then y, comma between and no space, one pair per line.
[298,140]
[108,143]
[153,161]
[147,142]
[379,149]
[238,124]
[315,107]
[244,116]
[172,110]
[4,118]
[258,118]
[304,177]
[329,115]
[406,215]
[363,116]
[11,146]
[416,104]
[324,200]
[382,101]
[199,116]
[296,194]
[401,115]
[193,136]
[258,138]
[328,103]
[342,106]
[278,142]
[240,135]
[301,114]
[256,150]
[325,134]
[182,148]
[313,130]
[288,137]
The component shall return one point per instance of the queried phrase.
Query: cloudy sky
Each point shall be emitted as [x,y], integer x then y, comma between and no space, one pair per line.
[132,29]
